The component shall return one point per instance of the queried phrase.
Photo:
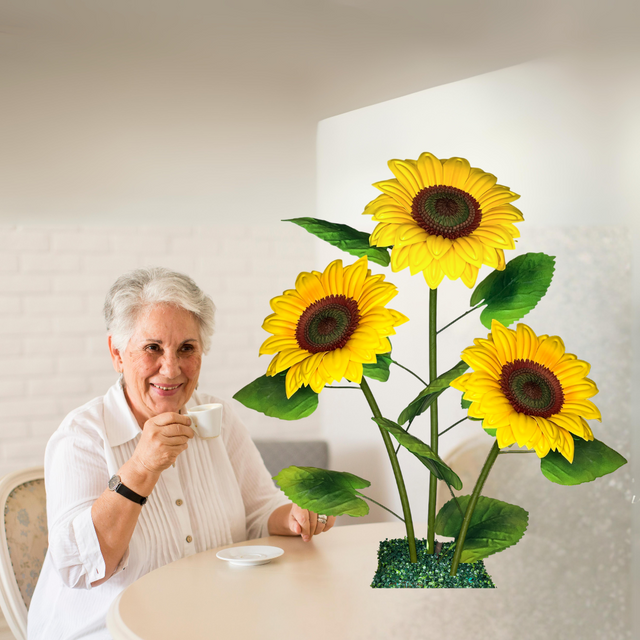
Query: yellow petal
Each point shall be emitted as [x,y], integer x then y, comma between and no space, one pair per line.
[383,235]
[290,357]
[455,172]
[332,279]
[498,195]
[273,344]
[395,190]
[310,288]
[550,351]
[292,384]
[469,275]
[452,264]
[278,326]
[505,437]
[526,342]
[580,391]
[494,236]
[523,427]
[479,183]
[571,372]
[354,372]
[469,249]
[408,175]
[482,360]
[354,277]
[433,274]
[460,383]
[505,342]
[584,408]
[438,245]
[430,169]
[399,258]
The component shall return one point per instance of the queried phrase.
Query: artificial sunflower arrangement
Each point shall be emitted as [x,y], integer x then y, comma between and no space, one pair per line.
[439,218]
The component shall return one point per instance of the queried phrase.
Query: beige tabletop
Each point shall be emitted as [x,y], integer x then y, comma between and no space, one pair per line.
[320,589]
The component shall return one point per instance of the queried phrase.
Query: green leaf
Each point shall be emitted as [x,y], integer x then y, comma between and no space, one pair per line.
[510,294]
[267,395]
[591,460]
[380,369]
[330,492]
[422,451]
[430,393]
[344,237]
[495,525]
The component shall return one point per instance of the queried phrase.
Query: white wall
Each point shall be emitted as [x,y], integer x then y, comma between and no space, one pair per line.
[53,281]
[558,132]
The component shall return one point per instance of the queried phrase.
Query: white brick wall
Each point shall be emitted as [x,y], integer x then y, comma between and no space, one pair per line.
[53,351]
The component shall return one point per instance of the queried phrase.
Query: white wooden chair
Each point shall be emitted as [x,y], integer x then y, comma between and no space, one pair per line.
[23,543]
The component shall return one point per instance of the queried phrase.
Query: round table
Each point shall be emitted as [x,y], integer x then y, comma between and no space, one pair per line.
[316,590]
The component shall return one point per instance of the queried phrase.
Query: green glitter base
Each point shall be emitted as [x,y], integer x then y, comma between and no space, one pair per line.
[395,571]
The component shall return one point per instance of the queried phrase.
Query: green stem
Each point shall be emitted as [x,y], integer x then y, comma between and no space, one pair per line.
[433,374]
[455,424]
[531,451]
[393,513]
[491,458]
[406,509]
[446,326]
[415,375]
[337,387]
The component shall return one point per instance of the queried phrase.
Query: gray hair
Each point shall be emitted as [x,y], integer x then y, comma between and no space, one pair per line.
[138,290]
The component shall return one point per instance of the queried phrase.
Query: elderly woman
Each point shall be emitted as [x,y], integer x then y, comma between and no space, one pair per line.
[129,488]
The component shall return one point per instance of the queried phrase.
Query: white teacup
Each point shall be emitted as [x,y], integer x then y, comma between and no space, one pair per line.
[206,419]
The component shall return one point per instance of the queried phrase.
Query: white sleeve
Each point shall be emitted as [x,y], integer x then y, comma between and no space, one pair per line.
[259,494]
[75,476]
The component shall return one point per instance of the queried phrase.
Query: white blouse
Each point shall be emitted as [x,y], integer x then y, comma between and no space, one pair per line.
[218,493]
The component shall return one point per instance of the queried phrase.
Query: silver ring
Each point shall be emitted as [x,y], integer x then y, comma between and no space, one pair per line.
[322,519]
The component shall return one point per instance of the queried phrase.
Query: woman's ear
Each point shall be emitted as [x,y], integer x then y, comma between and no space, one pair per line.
[116,358]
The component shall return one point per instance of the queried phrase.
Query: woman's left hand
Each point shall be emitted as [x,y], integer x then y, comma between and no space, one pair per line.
[306,524]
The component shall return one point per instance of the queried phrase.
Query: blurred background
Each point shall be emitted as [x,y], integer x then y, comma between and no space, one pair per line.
[180,134]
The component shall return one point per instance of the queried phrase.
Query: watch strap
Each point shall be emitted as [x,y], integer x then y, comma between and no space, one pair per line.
[123,490]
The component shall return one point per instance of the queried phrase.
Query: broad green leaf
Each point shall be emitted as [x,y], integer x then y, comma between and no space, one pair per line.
[510,294]
[429,394]
[323,491]
[380,369]
[591,460]
[422,451]
[267,395]
[495,525]
[344,237]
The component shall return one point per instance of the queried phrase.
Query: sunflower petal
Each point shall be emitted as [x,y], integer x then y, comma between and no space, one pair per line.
[430,169]
[550,351]
[408,175]
[455,172]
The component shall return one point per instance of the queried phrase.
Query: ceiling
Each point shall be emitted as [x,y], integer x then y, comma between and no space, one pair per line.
[336,55]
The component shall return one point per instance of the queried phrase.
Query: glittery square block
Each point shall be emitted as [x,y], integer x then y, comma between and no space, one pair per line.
[431,571]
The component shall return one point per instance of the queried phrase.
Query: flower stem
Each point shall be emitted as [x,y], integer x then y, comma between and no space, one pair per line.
[406,509]
[393,513]
[433,374]
[446,326]
[491,458]
[415,375]
[455,424]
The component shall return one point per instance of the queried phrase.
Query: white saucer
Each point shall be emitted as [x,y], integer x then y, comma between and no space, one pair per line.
[250,556]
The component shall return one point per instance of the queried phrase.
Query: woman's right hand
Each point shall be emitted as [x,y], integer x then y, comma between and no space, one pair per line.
[164,438]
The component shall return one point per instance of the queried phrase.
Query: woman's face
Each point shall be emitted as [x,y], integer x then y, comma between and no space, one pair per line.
[161,363]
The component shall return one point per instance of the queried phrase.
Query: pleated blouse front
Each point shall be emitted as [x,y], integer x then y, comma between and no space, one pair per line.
[218,493]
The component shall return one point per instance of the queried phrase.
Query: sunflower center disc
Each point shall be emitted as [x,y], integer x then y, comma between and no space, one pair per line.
[531,388]
[446,211]
[327,324]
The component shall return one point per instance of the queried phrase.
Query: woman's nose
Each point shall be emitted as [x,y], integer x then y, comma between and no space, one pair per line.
[170,366]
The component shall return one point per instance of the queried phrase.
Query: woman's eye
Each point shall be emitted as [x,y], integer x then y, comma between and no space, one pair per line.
[188,347]
[152,347]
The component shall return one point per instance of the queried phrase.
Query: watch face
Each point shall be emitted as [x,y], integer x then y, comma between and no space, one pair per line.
[114,481]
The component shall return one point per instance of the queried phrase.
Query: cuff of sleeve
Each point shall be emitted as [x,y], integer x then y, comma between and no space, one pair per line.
[89,547]
[123,564]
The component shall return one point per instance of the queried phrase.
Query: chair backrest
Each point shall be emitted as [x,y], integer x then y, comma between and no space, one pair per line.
[278,454]
[23,543]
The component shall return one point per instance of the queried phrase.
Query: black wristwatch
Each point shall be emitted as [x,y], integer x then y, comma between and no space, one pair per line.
[115,484]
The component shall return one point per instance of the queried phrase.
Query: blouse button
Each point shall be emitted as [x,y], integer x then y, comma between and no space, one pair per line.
[189,538]
[179,502]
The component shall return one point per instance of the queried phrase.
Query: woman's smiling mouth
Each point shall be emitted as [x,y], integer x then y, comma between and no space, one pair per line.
[166,390]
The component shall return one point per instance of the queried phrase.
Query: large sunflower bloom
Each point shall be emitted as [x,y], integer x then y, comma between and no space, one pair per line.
[529,389]
[329,325]
[443,217]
